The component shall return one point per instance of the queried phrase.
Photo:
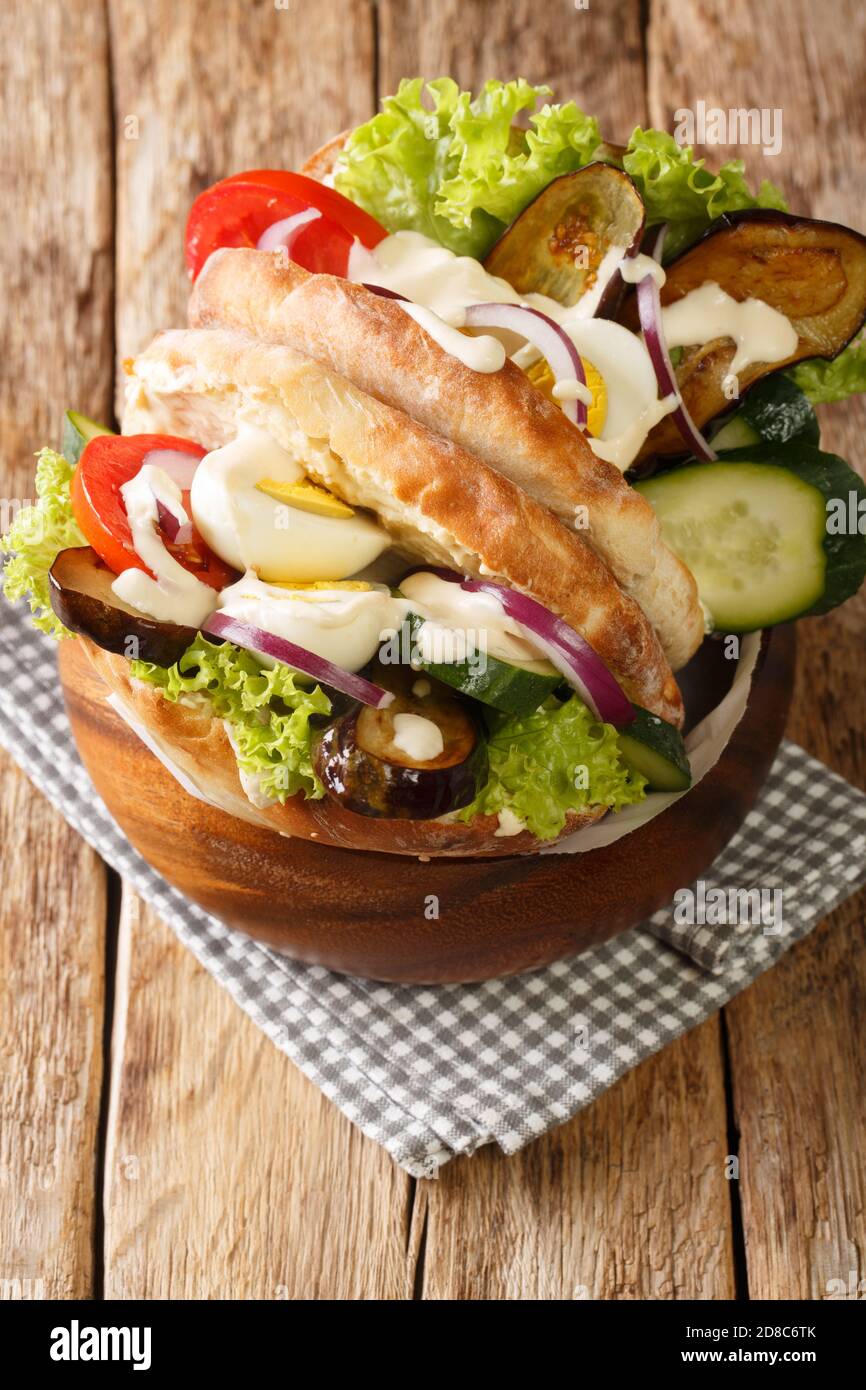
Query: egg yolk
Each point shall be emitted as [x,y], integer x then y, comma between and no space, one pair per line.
[354,586]
[542,377]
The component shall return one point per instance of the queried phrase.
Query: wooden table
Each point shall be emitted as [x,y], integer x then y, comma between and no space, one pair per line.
[152,1142]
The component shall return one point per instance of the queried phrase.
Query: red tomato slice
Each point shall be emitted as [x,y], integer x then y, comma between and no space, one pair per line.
[236,211]
[109,461]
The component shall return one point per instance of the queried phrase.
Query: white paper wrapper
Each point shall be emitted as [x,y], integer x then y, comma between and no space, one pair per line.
[705,745]
[157,748]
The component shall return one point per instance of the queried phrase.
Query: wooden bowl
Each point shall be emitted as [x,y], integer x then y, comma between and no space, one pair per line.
[371,914]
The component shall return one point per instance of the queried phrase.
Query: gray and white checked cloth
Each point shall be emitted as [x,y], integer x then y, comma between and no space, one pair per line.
[432,1072]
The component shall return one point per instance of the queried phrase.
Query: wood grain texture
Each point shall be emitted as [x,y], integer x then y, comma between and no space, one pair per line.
[228,1174]
[203,90]
[56,252]
[250,1184]
[52,922]
[55,325]
[593,57]
[572,1211]
[797,1046]
[627,1201]
[798,1053]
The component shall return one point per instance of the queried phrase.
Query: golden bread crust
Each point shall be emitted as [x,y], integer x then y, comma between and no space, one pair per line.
[322,161]
[439,502]
[500,417]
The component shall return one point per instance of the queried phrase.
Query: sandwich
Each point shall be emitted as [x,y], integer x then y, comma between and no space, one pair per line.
[472,438]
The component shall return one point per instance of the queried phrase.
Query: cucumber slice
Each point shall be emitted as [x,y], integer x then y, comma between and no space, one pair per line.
[757,530]
[774,411]
[735,434]
[507,687]
[78,430]
[656,748]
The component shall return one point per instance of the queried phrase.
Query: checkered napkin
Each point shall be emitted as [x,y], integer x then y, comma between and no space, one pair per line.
[431,1072]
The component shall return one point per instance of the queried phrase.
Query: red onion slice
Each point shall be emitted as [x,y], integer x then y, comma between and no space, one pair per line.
[179,465]
[283,233]
[169,524]
[649,307]
[544,334]
[570,653]
[255,639]
[538,329]
[386,294]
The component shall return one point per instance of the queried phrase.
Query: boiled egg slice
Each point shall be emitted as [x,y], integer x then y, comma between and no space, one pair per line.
[289,530]
[623,363]
[618,372]
[596,413]
[626,405]
[340,622]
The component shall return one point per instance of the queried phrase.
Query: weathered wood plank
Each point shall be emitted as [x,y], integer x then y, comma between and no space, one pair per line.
[55,325]
[593,57]
[799,1057]
[796,1038]
[247,1182]
[629,1200]
[203,90]
[52,923]
[228,1174]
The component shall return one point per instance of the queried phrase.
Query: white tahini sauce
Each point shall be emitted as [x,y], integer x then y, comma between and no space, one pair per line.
[436,279]
[509,823]
[760,332]
[636,268]
[419,738]
[457,620]
[624,447]
[442,285]
[341,625]
[418,267]
[483,353]
[570,389]
[175,595]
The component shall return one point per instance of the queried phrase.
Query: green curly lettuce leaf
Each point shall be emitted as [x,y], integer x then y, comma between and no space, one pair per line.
[35,539]
[499,170]
[394,164]
[455,169]
[559,759]
[269,711]
[676,188]
[825,382]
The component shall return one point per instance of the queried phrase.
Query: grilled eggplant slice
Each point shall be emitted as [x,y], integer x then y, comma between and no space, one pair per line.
[361,767]
[813,272]
[82,598]
[557,244]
